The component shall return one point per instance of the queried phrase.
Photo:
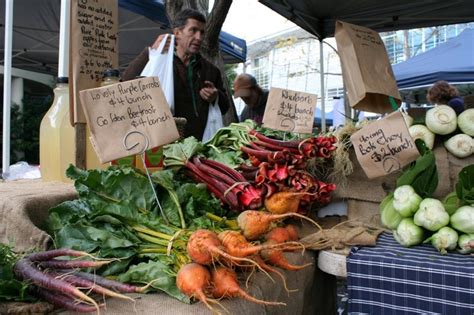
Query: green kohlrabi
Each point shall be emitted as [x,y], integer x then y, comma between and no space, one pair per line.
[406,200]
[443,240]
[431,215]
[408,233]
[463,219]
[466,243]
[388,215]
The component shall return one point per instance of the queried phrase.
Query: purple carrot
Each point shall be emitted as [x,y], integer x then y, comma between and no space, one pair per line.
[50,254]
[26,270]
[65,301]
[110,284]
[72,264]
[87,284]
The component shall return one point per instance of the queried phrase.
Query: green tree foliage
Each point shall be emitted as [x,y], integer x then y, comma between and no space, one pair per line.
[25,125]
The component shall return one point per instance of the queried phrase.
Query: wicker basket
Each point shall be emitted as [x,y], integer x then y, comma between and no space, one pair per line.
[181,125]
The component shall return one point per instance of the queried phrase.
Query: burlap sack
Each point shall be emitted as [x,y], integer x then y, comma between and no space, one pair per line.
[24,207]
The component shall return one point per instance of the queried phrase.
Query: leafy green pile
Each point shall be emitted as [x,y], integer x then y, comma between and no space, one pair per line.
[11,289]
[115,211]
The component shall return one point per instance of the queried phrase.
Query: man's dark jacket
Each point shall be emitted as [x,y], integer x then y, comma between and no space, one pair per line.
[201,70]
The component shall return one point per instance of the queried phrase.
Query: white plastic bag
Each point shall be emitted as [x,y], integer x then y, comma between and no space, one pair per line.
[214,122]
[161,65]
[22,170]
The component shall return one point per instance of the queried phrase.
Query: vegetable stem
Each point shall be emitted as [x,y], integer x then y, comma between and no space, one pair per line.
[229,223]
[151,232]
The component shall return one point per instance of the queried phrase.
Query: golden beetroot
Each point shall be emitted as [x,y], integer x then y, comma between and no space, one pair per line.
[254,224]
[225,284]
[194,280]
[284,202]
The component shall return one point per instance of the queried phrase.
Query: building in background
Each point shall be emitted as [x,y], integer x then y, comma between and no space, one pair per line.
[290,59]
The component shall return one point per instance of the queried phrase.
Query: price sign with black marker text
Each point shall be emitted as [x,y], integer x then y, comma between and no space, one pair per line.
[133,110]
[291,111]
[384,146]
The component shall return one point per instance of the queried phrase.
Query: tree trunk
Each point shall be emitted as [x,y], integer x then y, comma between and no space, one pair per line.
[210,46]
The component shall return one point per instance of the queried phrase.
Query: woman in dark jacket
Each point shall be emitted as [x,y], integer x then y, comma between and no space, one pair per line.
[444,93]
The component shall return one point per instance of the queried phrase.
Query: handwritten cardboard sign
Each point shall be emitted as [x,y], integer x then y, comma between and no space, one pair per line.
[366,68]
[93,46]
[384,146]
[291,111]
[124,113]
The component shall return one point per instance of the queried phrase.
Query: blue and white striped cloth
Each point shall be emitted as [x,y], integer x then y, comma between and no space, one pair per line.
[392,279]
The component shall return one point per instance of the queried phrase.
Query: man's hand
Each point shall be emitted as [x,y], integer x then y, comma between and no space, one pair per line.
[158,40]
[208,92]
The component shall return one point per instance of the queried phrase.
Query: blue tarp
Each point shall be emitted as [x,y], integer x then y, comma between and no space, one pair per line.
[452,61]
[234,49]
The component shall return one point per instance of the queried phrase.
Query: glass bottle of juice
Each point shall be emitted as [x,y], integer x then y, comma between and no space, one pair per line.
[57,136]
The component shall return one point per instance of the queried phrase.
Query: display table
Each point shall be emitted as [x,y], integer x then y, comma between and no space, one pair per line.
[392,279]
[24,208]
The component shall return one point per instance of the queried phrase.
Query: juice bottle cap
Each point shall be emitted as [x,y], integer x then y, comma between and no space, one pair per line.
[111,73]
[62,80]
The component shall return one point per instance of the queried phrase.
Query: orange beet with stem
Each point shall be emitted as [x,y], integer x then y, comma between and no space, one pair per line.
[254,224]
[194,280]
[225,284]
[284,201]
[237,245]
[204,247]
[276,258]
[282,234]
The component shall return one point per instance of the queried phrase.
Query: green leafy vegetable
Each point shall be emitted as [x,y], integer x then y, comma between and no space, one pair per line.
[176,154]
[11,289]
[422,174]
[160,274]
[465,185]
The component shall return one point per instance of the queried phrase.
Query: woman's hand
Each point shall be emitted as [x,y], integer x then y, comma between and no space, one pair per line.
[208,92]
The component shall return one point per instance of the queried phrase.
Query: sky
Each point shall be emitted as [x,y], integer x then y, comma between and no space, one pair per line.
[250,20]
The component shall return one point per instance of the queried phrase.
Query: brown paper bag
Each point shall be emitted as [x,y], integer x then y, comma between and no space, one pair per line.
[128,117]
[384,146]
[93,47]
[368,75]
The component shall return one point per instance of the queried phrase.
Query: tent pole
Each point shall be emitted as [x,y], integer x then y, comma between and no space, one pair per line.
[63,63]
[7,82]
[323,96]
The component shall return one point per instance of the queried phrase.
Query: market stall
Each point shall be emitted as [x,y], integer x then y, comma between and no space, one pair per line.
[168,234]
